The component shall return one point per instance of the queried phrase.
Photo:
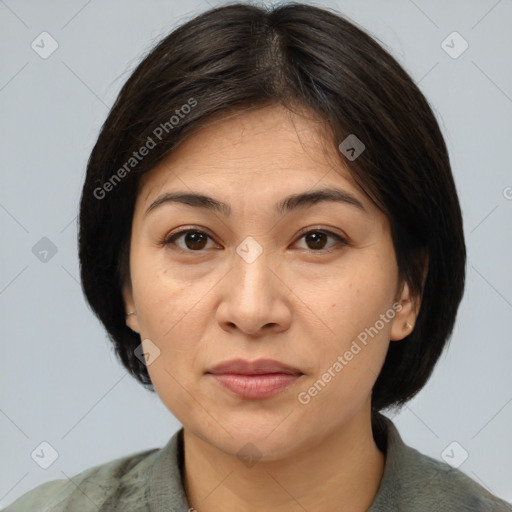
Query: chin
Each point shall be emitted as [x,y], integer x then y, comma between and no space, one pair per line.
[269,439]
[250,449]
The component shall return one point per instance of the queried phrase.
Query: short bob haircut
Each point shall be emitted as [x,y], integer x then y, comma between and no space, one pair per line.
[241,56]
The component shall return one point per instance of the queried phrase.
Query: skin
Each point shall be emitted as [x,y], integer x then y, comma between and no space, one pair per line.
[298,302]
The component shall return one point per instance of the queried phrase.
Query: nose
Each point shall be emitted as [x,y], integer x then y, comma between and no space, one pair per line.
[255,298]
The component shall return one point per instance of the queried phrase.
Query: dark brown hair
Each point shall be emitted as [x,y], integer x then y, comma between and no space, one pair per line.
[241,56]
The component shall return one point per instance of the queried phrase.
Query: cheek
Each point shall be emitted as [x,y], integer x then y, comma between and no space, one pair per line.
[172,314]
[354,302]
[160,297]
[350,362]
[359,315]
[174,390]
[169,315]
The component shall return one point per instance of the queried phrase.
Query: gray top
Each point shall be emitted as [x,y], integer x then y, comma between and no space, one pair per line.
[151,481]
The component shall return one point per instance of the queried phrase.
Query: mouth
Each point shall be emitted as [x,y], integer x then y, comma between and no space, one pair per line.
[254,380]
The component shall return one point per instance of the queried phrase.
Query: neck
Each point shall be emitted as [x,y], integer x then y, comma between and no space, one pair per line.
[345,469]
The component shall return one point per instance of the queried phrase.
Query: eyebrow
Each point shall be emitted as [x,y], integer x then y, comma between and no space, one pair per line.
[288,204]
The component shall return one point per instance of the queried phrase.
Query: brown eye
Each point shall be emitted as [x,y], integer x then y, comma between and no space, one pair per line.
[317,239]
[194,240]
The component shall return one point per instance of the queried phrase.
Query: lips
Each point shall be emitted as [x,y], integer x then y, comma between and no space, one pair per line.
[259,367]
[254,380]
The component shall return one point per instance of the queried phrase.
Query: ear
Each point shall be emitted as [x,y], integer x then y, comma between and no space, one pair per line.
[131,319]
[407,308]
[407,305]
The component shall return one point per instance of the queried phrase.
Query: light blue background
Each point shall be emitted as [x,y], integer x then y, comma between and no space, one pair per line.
[60,381]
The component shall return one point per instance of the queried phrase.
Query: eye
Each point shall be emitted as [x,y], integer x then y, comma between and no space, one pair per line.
[193,239]
[316,239]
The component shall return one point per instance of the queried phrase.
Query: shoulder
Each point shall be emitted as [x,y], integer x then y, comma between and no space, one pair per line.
[93,489]
[436,485]
[415,481]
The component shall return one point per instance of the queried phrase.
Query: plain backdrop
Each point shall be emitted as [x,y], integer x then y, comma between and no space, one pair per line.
[60,380]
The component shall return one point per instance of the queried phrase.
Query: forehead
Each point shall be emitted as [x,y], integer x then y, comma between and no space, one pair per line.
[262,150]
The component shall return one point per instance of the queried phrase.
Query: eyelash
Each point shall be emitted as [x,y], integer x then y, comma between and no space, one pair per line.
[168,240]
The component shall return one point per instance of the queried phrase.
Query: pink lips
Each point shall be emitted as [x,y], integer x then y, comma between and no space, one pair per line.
[257,379]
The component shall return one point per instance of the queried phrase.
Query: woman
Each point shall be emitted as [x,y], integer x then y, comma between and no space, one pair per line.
[271,235]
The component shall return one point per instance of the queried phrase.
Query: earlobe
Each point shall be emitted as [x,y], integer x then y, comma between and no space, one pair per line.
[132,322]
[407,308]
[131,314]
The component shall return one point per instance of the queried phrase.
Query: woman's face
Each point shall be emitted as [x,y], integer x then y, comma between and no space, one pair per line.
[311,285]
